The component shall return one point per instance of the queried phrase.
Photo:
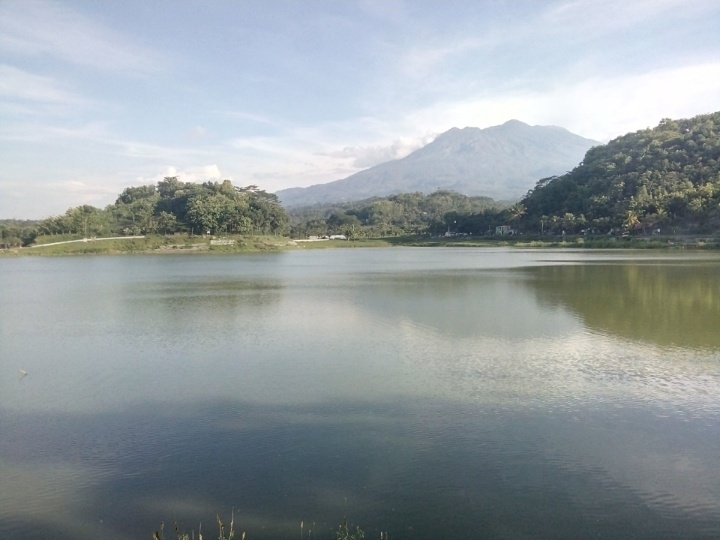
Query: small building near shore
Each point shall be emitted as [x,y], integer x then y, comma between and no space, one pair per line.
[504,230]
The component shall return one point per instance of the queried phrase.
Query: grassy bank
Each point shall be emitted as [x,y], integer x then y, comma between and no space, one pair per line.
[601,242]
[355,243]
[157,244]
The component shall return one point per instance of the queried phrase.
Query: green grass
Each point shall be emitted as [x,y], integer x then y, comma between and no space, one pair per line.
[48,239]
[355,243]
[599,242]
[157,244]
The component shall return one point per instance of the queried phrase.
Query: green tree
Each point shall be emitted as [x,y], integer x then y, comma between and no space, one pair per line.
[210,213]
[631,220]
[167,223]
[517,211]
[85,220]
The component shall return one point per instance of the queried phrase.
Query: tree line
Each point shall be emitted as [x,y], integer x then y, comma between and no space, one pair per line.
[665,178]
[17,232]
[173,206]
[396,215]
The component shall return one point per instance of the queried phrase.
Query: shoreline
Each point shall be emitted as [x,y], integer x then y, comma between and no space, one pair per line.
[155,245]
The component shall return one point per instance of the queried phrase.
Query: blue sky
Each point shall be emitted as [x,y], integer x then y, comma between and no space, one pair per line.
[96,95]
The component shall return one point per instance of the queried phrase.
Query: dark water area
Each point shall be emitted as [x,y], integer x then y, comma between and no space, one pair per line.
[429,393]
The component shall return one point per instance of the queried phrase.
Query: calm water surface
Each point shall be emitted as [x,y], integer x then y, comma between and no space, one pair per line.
[430,393]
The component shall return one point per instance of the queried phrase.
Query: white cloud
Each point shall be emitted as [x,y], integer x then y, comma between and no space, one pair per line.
[367,156]
[597,108]
[593,17]
[74,185]
[42,197]
[250,117]
[98,139]
[200,173]
[40,133]
[35,28]
[566,40]
[197,132]
[607,108]
[418,62]
[263,146]
[77,192]
[306,155]
[19,85]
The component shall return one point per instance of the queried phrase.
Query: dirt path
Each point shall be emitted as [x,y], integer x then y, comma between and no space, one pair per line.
[86,240]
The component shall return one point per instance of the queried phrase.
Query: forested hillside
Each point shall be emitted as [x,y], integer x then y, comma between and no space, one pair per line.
[668,176]
[407,213]
[168,207]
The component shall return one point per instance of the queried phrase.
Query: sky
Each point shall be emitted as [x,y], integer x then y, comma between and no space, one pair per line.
[96,96]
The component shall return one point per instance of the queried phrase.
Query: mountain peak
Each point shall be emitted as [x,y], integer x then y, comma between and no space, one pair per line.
[468,131]
[502,162]
[514,123]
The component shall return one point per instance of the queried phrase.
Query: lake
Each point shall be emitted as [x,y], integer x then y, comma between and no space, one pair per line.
[426,392]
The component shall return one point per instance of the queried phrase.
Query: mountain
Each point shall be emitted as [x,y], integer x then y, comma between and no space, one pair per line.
[502,162]
[667,176]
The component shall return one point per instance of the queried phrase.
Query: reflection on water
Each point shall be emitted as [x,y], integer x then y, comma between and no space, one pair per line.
[665,304]
[463,304]
[432,393]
